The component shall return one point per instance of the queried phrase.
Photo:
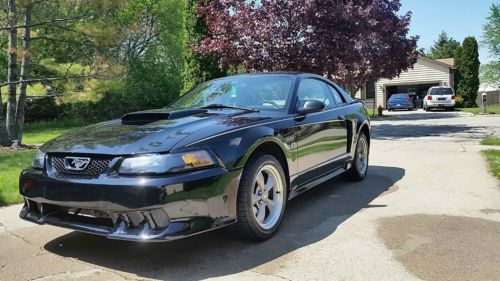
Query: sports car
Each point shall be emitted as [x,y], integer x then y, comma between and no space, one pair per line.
[230,152]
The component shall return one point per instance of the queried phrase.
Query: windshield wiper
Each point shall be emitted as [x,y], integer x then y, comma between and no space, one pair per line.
[218,105]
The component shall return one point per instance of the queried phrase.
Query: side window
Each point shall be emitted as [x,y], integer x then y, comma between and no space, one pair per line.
[336,95]
[312,89]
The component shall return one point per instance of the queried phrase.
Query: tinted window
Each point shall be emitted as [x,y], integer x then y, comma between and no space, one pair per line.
[441,91]
[336,95]
[312,89]
[399,96]
[259,91]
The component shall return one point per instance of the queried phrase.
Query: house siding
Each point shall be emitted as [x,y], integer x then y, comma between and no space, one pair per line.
[423,72]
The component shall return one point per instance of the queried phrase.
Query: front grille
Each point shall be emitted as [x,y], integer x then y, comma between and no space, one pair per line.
[93,169]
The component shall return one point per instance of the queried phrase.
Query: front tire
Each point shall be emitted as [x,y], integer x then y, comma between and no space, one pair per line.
[262,196]
[359,167]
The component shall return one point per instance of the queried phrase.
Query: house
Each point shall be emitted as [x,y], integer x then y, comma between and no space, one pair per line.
[415,81]
[492,91]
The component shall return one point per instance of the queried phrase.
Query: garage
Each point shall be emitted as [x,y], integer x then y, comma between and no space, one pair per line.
[415,81]
[416,91]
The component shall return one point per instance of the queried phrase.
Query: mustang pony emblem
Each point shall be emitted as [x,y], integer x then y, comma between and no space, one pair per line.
[76,163]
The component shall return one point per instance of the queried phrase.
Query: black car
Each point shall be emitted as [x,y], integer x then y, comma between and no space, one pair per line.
[231,151]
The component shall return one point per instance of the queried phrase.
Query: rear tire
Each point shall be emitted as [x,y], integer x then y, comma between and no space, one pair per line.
[359,167]
[262,196]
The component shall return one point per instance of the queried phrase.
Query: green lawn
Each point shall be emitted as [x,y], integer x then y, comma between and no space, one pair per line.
[493,157]
[492,109]
[41,132]
[11,164]
[491,141]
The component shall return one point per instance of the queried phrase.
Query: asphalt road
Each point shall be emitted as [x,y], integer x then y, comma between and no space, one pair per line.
[428,210]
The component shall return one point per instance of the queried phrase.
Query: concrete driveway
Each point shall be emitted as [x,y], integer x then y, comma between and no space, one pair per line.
[428,210]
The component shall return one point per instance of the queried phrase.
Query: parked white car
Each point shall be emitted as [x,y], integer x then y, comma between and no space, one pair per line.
[440,97]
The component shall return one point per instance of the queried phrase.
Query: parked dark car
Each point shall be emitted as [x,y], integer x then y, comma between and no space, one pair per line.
[232,151]
[400,101]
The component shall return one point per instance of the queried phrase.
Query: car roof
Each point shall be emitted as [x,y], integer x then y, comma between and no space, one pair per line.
[288,73]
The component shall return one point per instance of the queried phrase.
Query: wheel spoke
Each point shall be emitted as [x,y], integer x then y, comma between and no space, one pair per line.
[260,181]
[255,199]
[261,213]
[269,204]
[269,184]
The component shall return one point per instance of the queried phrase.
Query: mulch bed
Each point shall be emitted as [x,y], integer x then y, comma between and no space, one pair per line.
[19,148]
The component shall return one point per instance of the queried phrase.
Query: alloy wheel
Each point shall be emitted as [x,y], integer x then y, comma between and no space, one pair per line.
[267,197]
[362,163]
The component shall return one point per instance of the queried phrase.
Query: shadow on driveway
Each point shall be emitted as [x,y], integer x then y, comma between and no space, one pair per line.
[422,115]
[399,131]
[310,218]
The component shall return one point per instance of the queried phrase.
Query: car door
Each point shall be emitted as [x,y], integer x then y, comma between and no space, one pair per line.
[321,137]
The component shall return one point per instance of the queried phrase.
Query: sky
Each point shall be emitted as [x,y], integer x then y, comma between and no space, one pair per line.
[458,18]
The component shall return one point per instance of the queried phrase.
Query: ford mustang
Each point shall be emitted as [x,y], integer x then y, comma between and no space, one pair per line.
[230,152]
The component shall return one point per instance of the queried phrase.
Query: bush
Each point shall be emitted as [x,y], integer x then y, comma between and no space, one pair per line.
[41,109]
[459,102]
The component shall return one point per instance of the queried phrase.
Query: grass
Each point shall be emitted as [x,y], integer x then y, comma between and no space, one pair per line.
[493,158]
[491,141]
[491,109]
[41,132]
[11,164]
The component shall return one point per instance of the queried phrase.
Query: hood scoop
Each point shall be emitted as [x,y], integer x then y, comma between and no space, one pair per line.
[145,117]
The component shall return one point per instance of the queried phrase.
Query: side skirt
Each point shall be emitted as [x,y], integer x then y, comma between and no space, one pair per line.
[320,180]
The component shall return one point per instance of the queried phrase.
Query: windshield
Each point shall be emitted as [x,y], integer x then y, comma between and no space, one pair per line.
[441,91]
[263,92]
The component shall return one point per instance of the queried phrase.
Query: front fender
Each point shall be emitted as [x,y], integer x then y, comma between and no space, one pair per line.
[255,137]
[235,148]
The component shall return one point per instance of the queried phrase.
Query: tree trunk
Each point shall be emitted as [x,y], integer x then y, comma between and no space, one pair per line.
[12,69]
[4,135]
[21,103]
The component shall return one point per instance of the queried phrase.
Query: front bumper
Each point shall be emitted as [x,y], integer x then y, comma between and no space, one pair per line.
[133,208]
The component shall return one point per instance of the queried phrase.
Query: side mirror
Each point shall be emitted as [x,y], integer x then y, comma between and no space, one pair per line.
[311,106]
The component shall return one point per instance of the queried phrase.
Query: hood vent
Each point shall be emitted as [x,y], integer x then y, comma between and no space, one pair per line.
[141,118]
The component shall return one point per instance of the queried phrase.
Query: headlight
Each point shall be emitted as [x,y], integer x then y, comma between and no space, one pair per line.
[39,160]
[165,163]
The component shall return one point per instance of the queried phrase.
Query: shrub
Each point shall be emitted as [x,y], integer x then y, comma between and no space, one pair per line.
[41,109]
[459,102]
[467,61]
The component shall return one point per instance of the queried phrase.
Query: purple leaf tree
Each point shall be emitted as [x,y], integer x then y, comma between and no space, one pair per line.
[350,41]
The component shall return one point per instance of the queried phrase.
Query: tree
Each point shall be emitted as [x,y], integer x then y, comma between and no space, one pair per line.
[12,67]
[25,63]
[468,68]
[350,41]
[491,39]
[458,61]
[197,67]
[490,72]
[52,14]
[444,47]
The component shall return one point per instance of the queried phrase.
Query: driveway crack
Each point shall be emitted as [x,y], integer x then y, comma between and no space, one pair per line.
[268,274]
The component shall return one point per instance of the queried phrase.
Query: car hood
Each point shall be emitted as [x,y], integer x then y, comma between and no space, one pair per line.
[118,137]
